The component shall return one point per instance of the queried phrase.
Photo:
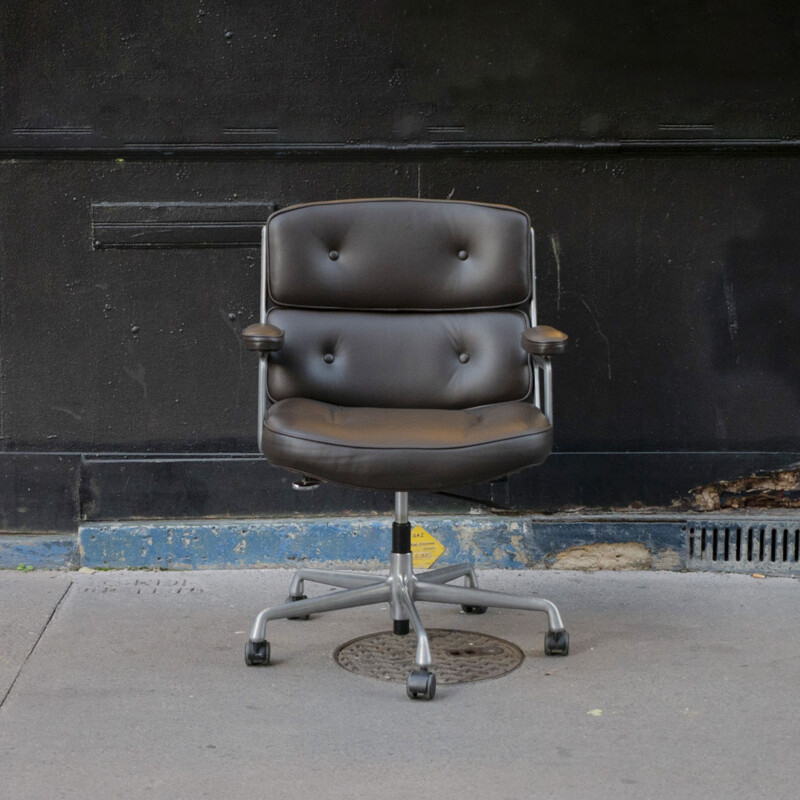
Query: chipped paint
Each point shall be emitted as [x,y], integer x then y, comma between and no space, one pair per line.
[667,559]
[518,545]
[350,542]
[730,307]
[555,245]
[363,542]
[605,555]
[778,489]
[568,541]
[39,552]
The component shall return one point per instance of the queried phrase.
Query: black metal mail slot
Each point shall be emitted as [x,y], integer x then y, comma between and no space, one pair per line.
[178,224]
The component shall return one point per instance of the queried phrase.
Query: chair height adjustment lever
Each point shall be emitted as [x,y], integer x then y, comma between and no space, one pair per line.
[305,484]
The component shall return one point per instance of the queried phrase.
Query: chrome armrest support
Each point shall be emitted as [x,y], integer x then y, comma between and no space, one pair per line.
[543,363]
[262,394]
[263,356]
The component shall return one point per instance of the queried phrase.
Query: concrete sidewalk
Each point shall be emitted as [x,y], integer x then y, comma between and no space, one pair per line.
[133,684]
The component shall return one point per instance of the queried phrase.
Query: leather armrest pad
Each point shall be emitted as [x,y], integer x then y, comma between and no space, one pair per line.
[263,337]
[543,341]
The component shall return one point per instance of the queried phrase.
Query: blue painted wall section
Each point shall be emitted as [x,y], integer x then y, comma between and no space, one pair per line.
[39,552]
[486,541]
[658,537]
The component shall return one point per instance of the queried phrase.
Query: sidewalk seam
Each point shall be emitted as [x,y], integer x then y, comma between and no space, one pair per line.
[36,643]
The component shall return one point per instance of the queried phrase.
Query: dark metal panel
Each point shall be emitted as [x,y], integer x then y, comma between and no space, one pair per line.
[178,224]
[675,278]
[118,74]
[137,348]
[196,487]
[654,145]
[39,491]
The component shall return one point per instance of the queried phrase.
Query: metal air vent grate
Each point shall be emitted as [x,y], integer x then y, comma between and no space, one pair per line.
[771,547]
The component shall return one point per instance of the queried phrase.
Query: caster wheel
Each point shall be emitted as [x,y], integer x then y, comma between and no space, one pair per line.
[556,643]
[421,685]
[293,598]
[256,654]
[474,609]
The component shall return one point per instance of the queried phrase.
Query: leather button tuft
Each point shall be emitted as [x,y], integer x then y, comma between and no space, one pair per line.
[333,255]
[462,254]
[328,358]
[463,358]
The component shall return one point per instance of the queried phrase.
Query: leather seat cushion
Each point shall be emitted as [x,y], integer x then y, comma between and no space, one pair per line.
[403,449]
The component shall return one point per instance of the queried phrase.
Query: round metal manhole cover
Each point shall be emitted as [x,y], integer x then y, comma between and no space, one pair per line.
[458,656]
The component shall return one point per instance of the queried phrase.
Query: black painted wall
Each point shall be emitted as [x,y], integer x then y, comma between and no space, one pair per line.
[655,145]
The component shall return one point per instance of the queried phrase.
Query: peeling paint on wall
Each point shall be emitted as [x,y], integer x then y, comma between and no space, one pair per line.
[779,489]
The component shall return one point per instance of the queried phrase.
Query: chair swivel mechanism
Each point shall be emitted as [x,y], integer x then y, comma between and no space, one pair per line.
[399,350]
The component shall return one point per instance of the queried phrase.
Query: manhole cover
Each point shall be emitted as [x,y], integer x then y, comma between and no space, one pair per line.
[458,656]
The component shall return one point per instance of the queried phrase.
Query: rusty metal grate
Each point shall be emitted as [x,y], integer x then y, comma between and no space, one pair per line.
[458,656]
[744,546]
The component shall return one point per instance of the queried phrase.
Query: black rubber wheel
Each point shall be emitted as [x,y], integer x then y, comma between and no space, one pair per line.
[293,598]
[556,643]
[474,609]
[421,685]
[256,654]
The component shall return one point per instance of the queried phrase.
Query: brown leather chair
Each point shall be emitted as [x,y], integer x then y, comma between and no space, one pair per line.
[399,350]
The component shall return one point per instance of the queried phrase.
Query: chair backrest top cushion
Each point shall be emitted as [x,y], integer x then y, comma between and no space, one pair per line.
[399,254]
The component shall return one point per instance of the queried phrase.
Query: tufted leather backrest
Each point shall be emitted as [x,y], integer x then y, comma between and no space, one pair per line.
[399,254]
[399,302]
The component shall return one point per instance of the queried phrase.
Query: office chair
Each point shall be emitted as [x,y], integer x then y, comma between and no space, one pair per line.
[399,350]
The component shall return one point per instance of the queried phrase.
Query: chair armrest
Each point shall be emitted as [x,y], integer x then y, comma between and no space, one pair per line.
[262,337]
[543,341]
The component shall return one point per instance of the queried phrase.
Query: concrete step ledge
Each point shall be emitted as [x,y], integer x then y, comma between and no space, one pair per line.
[568,541]
[510,542]
[40,551]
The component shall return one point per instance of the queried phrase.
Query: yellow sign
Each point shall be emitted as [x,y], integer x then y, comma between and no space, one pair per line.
[424,548]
